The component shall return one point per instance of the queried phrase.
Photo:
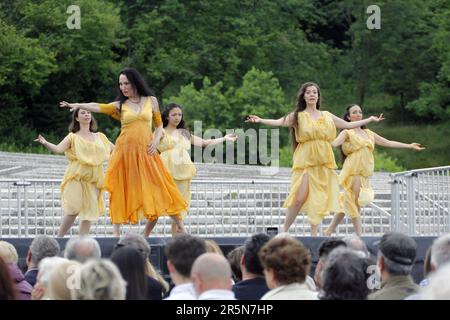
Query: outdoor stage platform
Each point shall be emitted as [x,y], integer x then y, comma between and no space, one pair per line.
[226,244]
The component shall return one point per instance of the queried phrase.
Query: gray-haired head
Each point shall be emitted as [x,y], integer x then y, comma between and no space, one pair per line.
[439,287]
[43,247]
[357,244]
[344,275]
[82,248]
[440,251]
[137,241]
[99,280]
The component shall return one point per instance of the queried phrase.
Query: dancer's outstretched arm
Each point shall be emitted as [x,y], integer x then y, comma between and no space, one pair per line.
[342,124]
[60,148]
[199,142]
[339,139]
[282,122]
[379,140]
[90,106]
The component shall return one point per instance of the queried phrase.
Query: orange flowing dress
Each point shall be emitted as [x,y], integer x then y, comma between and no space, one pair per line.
[138,184]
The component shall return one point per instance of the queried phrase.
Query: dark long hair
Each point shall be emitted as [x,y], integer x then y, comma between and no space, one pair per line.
[74,125]
[300,105]
[182,125]
[131,264]
[165,116]
[346,117]
[137,82]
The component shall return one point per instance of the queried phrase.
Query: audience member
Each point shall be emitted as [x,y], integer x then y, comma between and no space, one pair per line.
[253,285]
[286,264]
[99,280]
[181,252]
[211,276]
[396,257]
[41,247]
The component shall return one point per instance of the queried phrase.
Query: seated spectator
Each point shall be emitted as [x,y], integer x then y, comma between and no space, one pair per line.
[9,255]
[181,252]
[438,255]
[357,244]
[7,287]
[61,280]
[132,266]
[396,257]
[324,250]
[439,287]
[46,267]
[82,248]
[211,276]
[99,280]
[213,247]
[345,276]
[140,243]
[234,258]
[286,263]
[253,285]
[426,269]
[41,247]
[440,252]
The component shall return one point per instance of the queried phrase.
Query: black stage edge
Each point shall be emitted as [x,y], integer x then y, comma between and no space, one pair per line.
[226,244]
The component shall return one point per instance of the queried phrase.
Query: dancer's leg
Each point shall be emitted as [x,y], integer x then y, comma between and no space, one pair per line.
[356,187]
[334,223]
[357,226]
[149,227]
[179,224]
[116,231]
[314,228]
[302,195]
[85,226]
[66,223]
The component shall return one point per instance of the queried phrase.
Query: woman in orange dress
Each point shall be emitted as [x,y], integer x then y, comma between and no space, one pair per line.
[138,183]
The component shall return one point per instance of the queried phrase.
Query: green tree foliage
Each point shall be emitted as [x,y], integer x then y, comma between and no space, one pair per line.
[225,59]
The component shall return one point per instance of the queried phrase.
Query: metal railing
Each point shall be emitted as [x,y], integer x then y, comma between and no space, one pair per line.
[218,208]
[420,203]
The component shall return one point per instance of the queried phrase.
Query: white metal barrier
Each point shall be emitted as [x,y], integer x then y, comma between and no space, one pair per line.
[218,208]
[420,203]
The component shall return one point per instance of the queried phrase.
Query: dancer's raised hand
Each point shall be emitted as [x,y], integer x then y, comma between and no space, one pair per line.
[65,104]
[253,119]
[376,119]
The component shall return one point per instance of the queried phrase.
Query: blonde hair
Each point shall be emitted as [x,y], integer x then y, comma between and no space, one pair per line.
[8,252]
[99,280]
[59,282]
[213,247]
[151,272]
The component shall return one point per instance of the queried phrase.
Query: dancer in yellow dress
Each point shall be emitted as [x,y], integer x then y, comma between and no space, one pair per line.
[138,183]
[357,147]
[175,146]
[314,185]
[86,150]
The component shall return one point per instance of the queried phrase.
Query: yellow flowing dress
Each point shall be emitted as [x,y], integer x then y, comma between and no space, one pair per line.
[177,159]
[139,184]
[358,162]
[83,179]
[314,157]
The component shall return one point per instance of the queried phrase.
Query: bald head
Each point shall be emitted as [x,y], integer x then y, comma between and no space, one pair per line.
[211,271]
[212,266]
